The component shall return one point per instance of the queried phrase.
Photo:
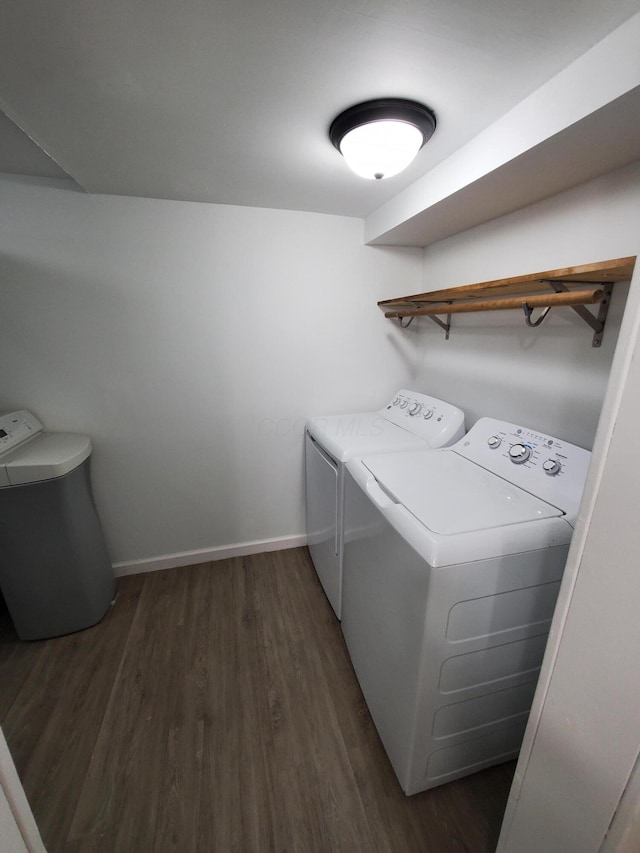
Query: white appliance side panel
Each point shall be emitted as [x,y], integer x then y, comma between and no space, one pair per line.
[486,629]
[323,485]
[385,585]
[447,658]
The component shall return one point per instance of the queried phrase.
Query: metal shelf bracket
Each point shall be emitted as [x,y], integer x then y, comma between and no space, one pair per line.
[528,311]
[596,322]
[445,326]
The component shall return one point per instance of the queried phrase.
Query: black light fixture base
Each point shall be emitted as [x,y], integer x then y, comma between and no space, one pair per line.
[383,109]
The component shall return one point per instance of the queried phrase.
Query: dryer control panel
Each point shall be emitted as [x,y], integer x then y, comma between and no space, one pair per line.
[16,428]
[437,422]
[549,468]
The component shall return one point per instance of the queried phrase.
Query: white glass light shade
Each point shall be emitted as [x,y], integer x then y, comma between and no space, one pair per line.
[381,149]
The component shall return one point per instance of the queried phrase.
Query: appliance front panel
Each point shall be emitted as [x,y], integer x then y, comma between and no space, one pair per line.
[322,505]
[447,658]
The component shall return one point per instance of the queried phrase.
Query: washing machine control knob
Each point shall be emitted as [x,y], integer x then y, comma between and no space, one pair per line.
[415,408]
[396,401]
[519,453]
[551,467]
[427,414]
[404,403]
[494,441]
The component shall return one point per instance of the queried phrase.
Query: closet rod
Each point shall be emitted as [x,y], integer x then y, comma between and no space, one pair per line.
[537,300]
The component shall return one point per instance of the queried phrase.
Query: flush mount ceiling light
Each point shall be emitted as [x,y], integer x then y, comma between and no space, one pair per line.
[380,138]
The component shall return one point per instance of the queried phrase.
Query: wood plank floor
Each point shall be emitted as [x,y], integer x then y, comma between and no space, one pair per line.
[215,709]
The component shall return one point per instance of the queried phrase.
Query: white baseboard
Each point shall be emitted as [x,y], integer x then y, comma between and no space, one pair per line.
[206,555]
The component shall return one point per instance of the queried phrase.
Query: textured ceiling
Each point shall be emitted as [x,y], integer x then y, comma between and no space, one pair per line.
[229,101]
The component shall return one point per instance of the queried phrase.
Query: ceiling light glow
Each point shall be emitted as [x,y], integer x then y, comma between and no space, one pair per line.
[380,138]
[381,149]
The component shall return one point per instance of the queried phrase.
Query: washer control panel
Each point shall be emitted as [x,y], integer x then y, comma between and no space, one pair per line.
[16,428]
[547,467]
[437,422]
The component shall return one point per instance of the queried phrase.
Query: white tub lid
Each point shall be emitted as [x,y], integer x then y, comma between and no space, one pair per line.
[49,455]
[451,495]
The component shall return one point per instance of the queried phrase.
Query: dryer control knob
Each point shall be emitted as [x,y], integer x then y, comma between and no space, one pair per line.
[494,441]
[519,453]
[427,414]
[551,467]
[415,409]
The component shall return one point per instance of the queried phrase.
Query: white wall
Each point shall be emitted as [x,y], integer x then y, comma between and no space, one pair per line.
[583,733]
[18,830]
[551,377]
[191,342]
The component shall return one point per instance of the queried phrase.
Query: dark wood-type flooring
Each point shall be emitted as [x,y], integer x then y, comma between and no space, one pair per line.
[215,709]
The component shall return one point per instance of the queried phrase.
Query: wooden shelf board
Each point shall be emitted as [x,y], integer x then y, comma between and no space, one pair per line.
[605,272]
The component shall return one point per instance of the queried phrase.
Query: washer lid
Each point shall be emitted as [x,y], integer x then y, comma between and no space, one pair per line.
[450,495]
[50,455]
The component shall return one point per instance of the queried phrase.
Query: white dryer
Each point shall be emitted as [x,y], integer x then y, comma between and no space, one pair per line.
[452,564]
[409,421]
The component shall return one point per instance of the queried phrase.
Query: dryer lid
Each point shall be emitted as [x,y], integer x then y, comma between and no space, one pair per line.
[346,436]
[450,495]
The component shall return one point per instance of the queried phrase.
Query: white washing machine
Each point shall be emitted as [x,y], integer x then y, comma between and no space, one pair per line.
[410,421]
[452,564]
